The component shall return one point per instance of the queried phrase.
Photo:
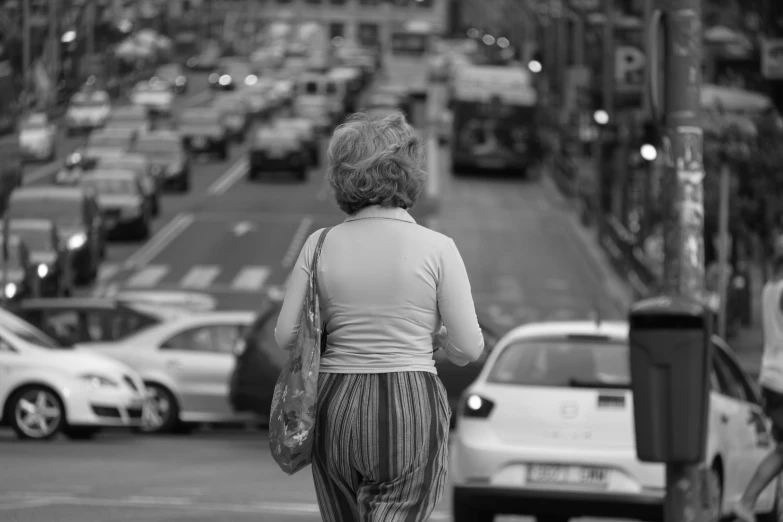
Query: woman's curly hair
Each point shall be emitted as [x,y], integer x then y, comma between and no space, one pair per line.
[376,162]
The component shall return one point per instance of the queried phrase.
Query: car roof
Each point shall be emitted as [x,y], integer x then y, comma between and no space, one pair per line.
[126,157]
[615,330]
[48,192]
[110,173]
[31,224]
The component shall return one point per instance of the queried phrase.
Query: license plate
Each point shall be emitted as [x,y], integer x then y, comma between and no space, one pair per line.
[546,474]
[199,142]
[275,154]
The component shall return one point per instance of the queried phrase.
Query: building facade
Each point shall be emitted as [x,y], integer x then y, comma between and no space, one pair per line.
[363,21]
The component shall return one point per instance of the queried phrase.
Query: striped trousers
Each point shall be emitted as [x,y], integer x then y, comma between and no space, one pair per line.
[381,446]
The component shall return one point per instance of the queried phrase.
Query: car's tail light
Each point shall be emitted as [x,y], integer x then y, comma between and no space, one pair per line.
[477,407]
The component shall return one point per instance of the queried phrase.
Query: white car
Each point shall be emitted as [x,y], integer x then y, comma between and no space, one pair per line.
[547,430]
[154,95]
[186,364]
[47,388]
[37,138]
[87,111]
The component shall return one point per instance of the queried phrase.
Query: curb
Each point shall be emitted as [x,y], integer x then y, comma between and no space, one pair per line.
[618,290]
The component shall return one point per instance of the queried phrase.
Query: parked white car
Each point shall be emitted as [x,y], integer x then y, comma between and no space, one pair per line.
[37,138]
[547,430]
[154,95]
[186,364]
[47,388]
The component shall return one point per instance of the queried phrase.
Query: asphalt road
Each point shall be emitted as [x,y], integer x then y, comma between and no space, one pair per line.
[228,237]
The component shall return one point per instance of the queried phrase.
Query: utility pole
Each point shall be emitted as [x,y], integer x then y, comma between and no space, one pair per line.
[26,43]
[682,199]
[54,49]
[89,25]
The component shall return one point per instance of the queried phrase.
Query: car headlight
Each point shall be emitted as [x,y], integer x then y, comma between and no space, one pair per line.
[77,241]
[240,347]
[43,270]
[10,290]
[98,381]
[181,80]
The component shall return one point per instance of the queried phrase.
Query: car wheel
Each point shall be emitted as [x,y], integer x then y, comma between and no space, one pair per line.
[714,487]
[81,432]
[162,413]
[252,174]
[36,413]
[302,175]
[776,515]
[223,153]
[464,512]
[156,205]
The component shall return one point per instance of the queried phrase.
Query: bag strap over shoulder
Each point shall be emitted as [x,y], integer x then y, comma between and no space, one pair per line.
[316,257]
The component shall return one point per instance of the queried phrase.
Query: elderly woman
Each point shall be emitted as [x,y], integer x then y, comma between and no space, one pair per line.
[392,292]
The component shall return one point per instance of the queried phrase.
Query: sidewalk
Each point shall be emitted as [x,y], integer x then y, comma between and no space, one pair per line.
[747,344]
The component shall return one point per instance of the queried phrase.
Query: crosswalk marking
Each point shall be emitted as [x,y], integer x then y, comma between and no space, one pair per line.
[107,271]
[148,276]
[200,276]
[251,278]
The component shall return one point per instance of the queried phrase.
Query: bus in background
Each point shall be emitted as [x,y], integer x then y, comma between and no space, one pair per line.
[407,62]
[493,122]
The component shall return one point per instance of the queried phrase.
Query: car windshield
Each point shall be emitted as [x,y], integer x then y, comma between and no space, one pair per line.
[88,102]
[36,239]
[106,142]
[110,185]
[63,211]
[159,147]
[200,118]
[30,333]
[33,124]
[168,72]
[563,363]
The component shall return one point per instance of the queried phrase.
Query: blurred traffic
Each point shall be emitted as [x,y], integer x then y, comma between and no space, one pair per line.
[149,229]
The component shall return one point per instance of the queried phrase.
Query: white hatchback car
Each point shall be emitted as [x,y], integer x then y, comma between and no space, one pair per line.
[47,388]
[547,430]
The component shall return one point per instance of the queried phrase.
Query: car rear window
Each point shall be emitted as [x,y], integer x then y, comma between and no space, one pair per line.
[563,363]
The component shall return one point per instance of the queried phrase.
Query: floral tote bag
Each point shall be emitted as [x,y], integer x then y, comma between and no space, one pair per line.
[293,415]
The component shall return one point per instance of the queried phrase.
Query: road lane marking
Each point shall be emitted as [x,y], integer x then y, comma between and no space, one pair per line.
[297,241]
[197,98]
[24,504]
[433,166]
[107,270]
[200,276]
[251,278]
[160,241]
[28,178]
[229,177]
[147,276]
[184,504]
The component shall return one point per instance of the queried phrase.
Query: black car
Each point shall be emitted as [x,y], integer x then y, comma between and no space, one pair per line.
[78,220]
[203,131]
[91,319]
[169,158]
[17,272]
[278,150]
[173,75]
[48,255]
[259,361]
